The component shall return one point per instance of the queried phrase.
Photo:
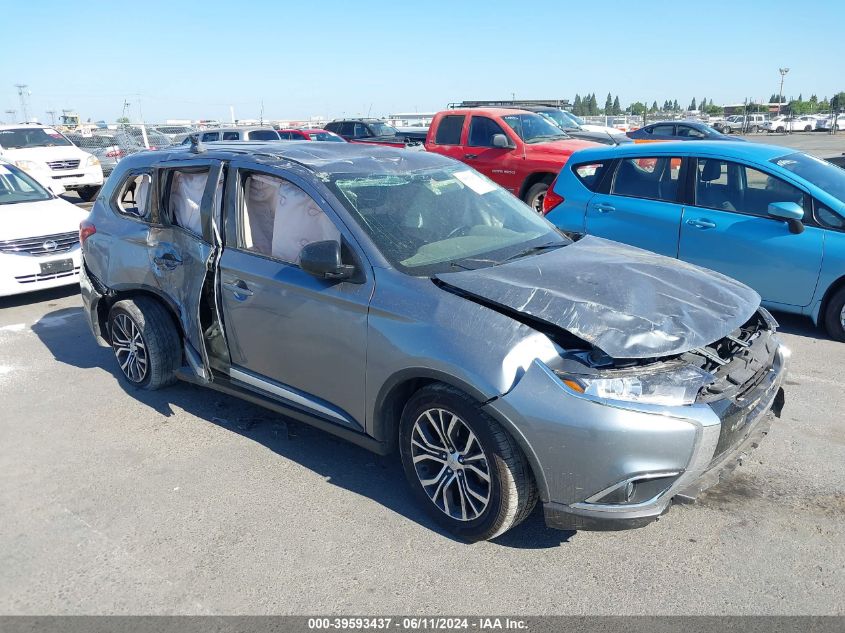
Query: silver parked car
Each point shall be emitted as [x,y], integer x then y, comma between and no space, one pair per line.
[406,303]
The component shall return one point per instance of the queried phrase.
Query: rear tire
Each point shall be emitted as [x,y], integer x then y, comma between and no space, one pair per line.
[448,446]
[146,342]
[834,316]
[535,195]
[87,194]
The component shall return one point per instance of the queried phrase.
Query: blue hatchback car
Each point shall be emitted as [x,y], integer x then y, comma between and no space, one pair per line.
[771,217]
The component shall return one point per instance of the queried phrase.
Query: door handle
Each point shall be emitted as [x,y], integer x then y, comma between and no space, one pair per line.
[702,223]
[604,208]
[238,287]
[167,260]
[470,156]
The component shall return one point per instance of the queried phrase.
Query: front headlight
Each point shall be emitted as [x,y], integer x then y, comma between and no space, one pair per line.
[672,386]
[28,165]
[92,160]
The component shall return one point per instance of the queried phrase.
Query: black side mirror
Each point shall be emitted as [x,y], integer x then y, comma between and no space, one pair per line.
[322,259]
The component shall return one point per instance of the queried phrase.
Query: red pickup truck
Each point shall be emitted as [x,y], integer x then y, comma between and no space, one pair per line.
[521,151]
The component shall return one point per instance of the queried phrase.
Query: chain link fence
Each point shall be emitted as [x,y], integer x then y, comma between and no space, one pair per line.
[110,144]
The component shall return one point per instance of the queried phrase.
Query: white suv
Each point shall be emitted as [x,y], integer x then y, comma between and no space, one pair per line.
[51,159]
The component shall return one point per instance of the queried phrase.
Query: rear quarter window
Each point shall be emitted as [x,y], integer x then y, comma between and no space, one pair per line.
[449,130]
[590,174]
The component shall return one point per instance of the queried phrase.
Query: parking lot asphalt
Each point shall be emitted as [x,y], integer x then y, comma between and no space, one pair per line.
[821,144]
[186,501]
[116,500]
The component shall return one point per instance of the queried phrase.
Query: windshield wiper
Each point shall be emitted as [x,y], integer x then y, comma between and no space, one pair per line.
[535,249]
[455,264]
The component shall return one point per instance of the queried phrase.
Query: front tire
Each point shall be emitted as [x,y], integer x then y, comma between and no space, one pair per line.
[834,316]
[145,341]
[87,194]
[535,195]
[463,467]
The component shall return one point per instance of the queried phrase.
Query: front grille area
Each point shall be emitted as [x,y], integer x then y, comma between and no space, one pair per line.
[31,279]
[42,245]
[743,364]
[59,165]
[740,361]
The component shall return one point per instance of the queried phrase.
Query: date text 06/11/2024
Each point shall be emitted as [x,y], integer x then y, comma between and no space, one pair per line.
[417,623]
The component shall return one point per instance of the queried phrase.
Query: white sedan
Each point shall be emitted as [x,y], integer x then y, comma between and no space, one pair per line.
[827,123]
[39,235]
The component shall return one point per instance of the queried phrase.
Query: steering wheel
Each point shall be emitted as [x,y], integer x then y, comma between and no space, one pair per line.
[459,231]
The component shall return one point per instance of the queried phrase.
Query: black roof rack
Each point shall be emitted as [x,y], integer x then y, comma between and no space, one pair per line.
[514,103]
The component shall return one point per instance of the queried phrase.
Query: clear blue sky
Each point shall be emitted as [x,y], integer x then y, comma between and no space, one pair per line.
[195,59]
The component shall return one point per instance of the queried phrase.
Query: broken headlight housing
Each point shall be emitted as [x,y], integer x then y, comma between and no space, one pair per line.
[669,386]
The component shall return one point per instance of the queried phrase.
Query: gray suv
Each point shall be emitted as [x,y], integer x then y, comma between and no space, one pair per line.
[406,303]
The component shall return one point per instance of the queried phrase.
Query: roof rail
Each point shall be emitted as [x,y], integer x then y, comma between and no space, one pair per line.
[513,103]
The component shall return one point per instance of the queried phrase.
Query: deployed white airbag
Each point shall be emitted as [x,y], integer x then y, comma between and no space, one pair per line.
[185,198]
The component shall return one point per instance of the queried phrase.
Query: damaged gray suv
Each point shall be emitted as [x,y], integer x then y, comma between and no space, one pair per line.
[406,303]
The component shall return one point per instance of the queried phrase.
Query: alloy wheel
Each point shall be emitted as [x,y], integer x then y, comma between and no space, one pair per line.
[129,348]
[450,464]
[537,202]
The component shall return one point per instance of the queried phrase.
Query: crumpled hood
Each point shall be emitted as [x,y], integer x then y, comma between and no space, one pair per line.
[628,302]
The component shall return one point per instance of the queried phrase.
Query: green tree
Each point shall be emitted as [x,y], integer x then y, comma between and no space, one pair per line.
[838,102]
[594,106]
[608,104]
[675,105]
[617,107]
[692,105]
[702,105]
[637,108]
[123,120]
[653,106]
[577,106]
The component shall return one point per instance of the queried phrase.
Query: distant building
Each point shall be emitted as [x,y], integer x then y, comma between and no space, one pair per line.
[410,119]
[739,108]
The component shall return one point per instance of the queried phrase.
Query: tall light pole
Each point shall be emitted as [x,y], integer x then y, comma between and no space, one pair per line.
[23,93]
[783,72]
[12,113]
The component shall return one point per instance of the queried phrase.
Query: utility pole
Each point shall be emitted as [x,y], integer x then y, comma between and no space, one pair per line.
[52,114]
[783,72]
[23,93]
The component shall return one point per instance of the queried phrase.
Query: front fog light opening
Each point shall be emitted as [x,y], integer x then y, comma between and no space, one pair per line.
[635,490]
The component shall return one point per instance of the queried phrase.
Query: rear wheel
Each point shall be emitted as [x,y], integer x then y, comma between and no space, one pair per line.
[145,342]
[807,128]
[87,194]
[463,467]
[535,195]
[834,316]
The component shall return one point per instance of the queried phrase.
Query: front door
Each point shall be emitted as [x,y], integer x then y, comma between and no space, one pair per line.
[499,164]
[642,208]
[299,338]
[729,230]
[182,248]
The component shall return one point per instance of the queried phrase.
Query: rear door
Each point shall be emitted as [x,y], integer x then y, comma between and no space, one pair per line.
[447,136]
[729,230]
[301,339]
[183,246]
[643,205]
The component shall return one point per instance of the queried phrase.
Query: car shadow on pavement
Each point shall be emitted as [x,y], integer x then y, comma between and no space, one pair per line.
[66,335]
[799,325]
[29,298]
